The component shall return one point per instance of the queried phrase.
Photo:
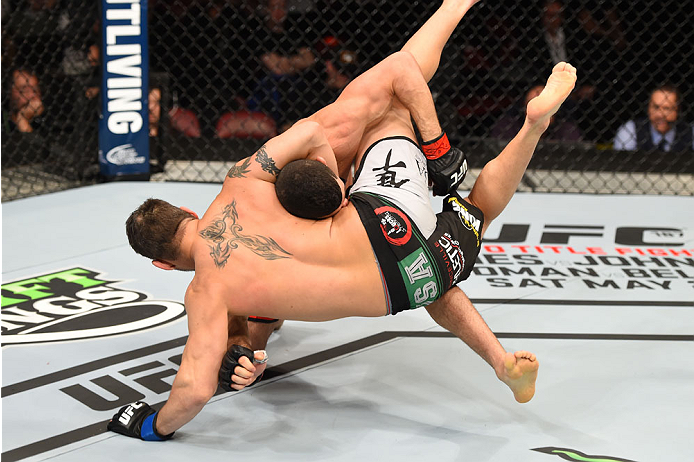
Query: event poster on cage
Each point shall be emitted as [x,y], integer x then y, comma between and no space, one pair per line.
[124,123]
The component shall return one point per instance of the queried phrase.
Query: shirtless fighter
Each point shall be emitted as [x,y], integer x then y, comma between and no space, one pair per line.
[384,251]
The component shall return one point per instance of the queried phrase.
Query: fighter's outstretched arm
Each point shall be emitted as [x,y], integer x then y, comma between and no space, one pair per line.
[304,140]
[197,377]
[196,380]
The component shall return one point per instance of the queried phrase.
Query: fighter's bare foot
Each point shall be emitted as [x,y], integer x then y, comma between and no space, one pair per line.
[520,373]
[559,86]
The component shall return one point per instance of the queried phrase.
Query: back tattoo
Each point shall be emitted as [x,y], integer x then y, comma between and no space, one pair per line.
[224,235]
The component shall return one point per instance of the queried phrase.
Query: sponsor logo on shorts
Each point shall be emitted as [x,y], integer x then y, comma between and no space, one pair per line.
[395,225]
[452,256]
[75,304]
[466,218]
[419,278]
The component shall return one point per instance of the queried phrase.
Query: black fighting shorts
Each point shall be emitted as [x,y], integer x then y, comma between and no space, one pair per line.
[418,269]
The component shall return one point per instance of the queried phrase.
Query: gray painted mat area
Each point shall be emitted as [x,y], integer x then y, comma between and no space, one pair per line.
[600,288]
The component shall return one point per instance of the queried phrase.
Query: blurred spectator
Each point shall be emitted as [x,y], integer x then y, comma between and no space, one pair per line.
[154,106]
[246,124]
[173,28]
[337,66]
[561,128]
[600,23]
[7,65]
[26,104]
[487,69]
[185,121]
[84,69]
[77,61]
[6,8]
[219,29]
[285,42]
[157,154]
[557,41]
[570,33]
[661,130]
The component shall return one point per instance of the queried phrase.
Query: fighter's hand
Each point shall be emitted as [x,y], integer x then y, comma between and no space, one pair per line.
[137,420]
[241,367]
[447,165]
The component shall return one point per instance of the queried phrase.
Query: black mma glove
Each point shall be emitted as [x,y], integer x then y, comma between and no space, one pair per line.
[137,420]
[230,361]
[447,165]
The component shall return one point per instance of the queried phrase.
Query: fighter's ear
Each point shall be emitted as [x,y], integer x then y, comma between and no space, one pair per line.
[161,264]
[186,209]
[322,160]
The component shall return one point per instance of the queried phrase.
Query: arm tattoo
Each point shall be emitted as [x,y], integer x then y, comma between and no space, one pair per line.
[224,235]
[240,169]
[266,162]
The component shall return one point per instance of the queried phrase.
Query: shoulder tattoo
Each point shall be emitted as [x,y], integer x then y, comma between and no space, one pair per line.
[224,235]
[266,162]
[239,169]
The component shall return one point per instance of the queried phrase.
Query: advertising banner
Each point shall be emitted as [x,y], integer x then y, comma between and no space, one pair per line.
[124,123]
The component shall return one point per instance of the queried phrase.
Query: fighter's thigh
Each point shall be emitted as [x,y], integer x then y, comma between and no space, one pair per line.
[344,124]
[485,224]
[363,102]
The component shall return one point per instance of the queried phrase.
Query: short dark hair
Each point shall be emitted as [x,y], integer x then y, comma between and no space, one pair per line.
[308,189]
[152,229]
[666,87]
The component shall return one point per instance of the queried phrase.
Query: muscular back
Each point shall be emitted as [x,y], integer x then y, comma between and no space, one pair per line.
[261,260]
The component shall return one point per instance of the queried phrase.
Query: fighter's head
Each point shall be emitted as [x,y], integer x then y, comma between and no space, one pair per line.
[153,228]
[309,189]
[663,107]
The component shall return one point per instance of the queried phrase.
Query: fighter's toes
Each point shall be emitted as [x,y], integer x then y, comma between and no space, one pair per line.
[525,355]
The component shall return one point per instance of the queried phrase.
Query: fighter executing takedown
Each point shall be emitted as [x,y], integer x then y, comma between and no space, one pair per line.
[382,252]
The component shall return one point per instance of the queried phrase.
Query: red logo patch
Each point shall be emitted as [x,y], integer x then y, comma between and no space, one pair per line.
[395,225]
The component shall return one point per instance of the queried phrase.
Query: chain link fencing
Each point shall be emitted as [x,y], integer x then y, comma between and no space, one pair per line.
[226,75]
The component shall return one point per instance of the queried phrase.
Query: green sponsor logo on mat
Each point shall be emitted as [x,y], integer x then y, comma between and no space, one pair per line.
[76,303]
[572,454]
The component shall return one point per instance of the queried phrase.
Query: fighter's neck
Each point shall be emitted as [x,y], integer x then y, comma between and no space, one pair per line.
[189,230]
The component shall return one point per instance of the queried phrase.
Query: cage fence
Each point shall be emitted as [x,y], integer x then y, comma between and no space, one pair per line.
[226,75]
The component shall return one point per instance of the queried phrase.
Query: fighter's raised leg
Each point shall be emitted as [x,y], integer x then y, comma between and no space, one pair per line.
[455,312]
[379,103]
[499,179]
